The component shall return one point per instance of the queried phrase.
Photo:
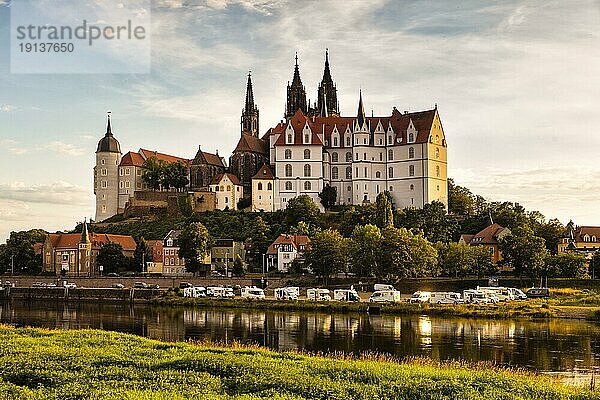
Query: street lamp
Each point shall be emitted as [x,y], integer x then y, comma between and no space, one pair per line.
[226,262]
[12,264]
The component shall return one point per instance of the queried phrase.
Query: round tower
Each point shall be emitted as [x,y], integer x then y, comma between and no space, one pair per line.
[106,175]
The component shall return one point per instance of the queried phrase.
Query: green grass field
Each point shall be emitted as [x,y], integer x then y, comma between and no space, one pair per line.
[40,364]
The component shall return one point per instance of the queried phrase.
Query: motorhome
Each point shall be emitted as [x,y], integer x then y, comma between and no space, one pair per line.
[502,293]
[318,294]
[385,296]
[287,293]
[252,293]
[445,298]
[194,292]
[517,294]
[420,297]
[345,295]
[474,296]
[380,286]
[220,292]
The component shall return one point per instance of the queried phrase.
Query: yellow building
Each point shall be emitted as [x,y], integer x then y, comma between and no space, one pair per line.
[583,239]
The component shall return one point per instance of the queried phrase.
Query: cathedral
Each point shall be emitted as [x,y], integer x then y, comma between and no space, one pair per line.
[314,146]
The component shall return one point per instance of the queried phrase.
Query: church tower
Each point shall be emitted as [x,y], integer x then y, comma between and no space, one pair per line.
[296,94]
[327,103]
[85,253]
[106,175]
[249,120]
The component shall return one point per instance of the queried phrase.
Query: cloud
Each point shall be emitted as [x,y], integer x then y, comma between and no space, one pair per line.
[58,193]
[64,148]
[7,108]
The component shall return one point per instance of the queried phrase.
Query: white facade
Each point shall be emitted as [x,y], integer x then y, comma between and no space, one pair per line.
[228,191]
[106,184]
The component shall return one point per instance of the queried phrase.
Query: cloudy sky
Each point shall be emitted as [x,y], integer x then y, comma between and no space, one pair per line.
[517,84]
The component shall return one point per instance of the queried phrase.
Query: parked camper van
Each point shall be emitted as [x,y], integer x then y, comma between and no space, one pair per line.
[318,294]
[380,286]
[517,294]
[502,293]
[445,298]
[287,293]
[479,297]
[420,297]
[252,293]
[219,292]
[194,292]
[385,296]
[345,295]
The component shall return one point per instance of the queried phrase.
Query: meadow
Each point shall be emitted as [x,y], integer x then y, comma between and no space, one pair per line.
[89,364]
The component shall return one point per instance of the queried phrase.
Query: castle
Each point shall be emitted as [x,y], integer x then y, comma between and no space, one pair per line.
[314,146]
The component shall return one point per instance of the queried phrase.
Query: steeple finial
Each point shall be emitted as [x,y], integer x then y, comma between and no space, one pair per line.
[108,127]
[490,215]
[85,236]
[361,110]
[249,95]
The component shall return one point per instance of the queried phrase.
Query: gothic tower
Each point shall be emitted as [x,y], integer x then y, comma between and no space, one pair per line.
[296,94]
[106,175]
[327,103]
[85,253]
[249,120]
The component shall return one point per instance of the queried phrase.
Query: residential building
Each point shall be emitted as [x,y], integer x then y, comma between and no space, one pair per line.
[224,253]
[285,249]
[155,266]
[228,191]
[172,263]
[263,192]
[488,237]
[583,239]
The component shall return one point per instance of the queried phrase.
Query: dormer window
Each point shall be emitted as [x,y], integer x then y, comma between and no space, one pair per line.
[347,140]
[411,137]
[306,138]
[170,243]
[289,138]
[335,142]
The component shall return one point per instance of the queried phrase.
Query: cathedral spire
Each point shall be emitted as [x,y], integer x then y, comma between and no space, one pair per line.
[249,121]
[85,236]
[249,94]
[327,92]
[296,94]
[361,110]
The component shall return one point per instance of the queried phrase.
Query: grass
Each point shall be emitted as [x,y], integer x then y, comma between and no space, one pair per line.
[40,364]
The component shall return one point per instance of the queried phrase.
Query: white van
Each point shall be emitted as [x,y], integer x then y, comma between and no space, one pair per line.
[252,293]
[479,297]
[219,292]
[287,293]
[318,294]
[381,286]
[345,295]
[445,298]
[517,294]
[385,296]
[502,293]
[194,292]
[420,297]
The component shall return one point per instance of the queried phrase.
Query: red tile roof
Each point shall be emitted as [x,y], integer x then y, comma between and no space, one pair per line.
[132,159]
[264,173]
[162,156]
[232,178]
[581,231]
[489,235]
[295,240]
[209,158]
[298,121]
[71,240]
[252,144]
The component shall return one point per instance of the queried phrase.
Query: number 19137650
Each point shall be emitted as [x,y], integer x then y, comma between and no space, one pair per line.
[43,47]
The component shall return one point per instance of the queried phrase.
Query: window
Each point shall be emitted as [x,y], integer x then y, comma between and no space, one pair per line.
[103,209]
[216,188]
[288,170]
[288,185]
[307,185]
[121,185]
[366,175]
[289,138]
[121,172]
[348,157]
[104,184]
[138,172]
[269,186]
[411,170]
[412,187]
[380,141]
[306,138]
[127,171]
[437,171]
[364,156]
[334,173]
[390,139]
[349,188]
[307,154]
[288,154]
[365,141]
[377,174]
[222,188]
[102,161]
[334,157]
[226,200]
[391,172]
[259,186]
[127,184]
[411,152]
[411,137]
[391,188]
[347,140]
[437,152]
[357,156]
[349,173]
[357,172]
[335,141]
[380,156]
[104,171]
[390,154]
[306,170]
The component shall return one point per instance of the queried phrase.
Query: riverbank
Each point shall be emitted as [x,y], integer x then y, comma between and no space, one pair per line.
[42,364]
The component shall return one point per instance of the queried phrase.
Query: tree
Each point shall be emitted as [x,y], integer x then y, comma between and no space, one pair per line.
[154,170]
[525,252]
[482,262]
[301,208]
[460,199]
[567,265]
[238,266]
[175,175]
[461,260]
[595,264]
[327,254]
[185,204]
[18,252]
[141,255]
[552,232]
[328,196]
[432,220]
[406,255]
[111,257]
[384,214]
[194,242]
[364,250]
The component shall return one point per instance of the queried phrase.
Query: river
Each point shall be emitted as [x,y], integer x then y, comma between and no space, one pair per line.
[565,346]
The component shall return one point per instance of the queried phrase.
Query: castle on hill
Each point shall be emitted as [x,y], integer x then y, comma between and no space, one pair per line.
[312,147]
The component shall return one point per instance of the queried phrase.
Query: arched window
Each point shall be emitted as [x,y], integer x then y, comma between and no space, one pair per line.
[412,187]
[348,157]
[334,173]
[307,185]
[288,185]
[411,170]
[334,157]
[437,171]
[437,152]
[222,188]
[228,188]
[411,152]
[335,141]
[349,173]
[289,138]
[306,154]
[288,154]
[259,186]
[390,154]
[377,174]
[391,172]
[269,186]
[288,170]
[411,137]
[306,170]
[347,140]
[390,139]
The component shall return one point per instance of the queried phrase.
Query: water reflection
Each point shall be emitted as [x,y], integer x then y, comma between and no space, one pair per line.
[540,345]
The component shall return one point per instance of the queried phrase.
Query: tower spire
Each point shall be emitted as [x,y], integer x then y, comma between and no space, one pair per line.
[296,94]
[327,92]
[361,110]
[249,120]
[85,236]
[108,127]
[249,94]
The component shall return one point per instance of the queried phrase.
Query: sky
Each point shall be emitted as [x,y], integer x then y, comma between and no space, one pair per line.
[516,84]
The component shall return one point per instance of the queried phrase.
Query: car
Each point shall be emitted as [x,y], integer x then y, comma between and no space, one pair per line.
[51,284]
[217,274]
[112,274]
[185,285]
[153,286]
[118,286]
[538,293]
[140,285]
[420,297]
[38,284]
[70,285]
[8,284]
